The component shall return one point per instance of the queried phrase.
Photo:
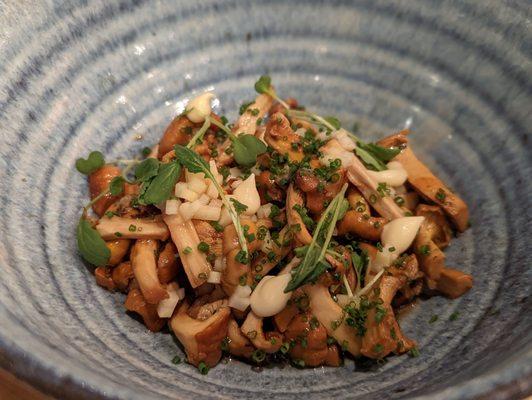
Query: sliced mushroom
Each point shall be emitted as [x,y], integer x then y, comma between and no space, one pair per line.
[144,267]
[268,189]
[317,199]
[103,278]
[252,329]
[436,224]
[129,228]
[331,316]
[209,235]
[283,319]
[122,275]
[280,247]
[309,340]
[202,340]
[239,345]
[280,136]
[167,266]
[99,181]
[136,302]
[294,198]
[186,240]
[359,221]
[118,249]
[179,131]
[235,273]
[383,334]
[429,186]
[454,283]
[247,122]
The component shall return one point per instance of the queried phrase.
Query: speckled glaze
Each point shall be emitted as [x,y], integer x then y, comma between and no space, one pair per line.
[110,75]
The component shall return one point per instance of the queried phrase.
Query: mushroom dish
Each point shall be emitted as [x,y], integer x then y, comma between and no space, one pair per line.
[279,237]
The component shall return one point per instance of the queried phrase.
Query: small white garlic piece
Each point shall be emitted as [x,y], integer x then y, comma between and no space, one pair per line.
[247,194]
[199,107]
[269,297]
[396,237]
[394,176]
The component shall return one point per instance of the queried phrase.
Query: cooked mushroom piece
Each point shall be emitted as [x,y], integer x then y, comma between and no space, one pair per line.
[239,345]
[331,316]
[280,136]
[99,181]
[431,258]
[280,247]
[167,266]
[179,131]
[122,275]
[207,233]
[454,283]
[383,334]
[359,221]
[136,302]
[103,276]
[294,198]
[144,267]
[358,175]
[202,339]
[283,319]
[247,122]
[431,187]
[309,340]
[436,224]
[130,228]
[186,239]
[118,249]
[252,328]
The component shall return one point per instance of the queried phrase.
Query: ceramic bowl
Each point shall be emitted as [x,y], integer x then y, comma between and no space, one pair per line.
[110,75]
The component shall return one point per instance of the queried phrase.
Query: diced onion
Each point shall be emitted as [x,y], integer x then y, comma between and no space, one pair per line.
[214,277]
[212,192]
[208,213]
[216,203]
[183,192]
[188,210]
[239,303]
[242,291]
[235,172]
[166,307]
[204,199]
[172,207]
[197,185]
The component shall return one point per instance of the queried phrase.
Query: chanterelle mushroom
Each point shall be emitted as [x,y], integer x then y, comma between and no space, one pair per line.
[202,339]
[383,334]
[132,228]
[252,328]
[144,267]
[293,199]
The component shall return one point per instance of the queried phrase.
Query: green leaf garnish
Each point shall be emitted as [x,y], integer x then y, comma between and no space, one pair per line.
[116,186]
[160,188]
[369,160]
[246,149]
[263,85]
[239,207]
[313,265]
[196,164]
[94,161]
[147,169]
[383,154]
[335,122]
[91,245]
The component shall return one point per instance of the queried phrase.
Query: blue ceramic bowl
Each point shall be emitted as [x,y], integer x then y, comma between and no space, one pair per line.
[110,75]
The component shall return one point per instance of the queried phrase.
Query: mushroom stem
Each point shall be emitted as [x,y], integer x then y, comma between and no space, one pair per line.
[144,267]
[131,228]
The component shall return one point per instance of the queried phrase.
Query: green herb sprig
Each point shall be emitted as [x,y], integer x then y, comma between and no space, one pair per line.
[196,164]
[246,148]
[313,264]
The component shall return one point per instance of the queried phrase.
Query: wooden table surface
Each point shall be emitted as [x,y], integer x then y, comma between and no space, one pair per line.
[12,388]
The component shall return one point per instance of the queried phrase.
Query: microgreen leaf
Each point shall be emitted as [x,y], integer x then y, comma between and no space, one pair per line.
[160,188]
[239,207]
[383,154]
[116,186]
[91,245]
[147,169]
[335,122]
[94,161]
[263,84]
[246,149]
[313,265]
[368,159]
[196,164]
